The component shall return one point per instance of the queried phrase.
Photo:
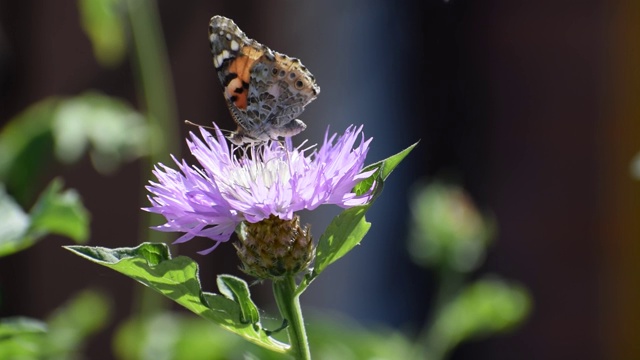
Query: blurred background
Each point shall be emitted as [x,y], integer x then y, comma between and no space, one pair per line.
[532,107]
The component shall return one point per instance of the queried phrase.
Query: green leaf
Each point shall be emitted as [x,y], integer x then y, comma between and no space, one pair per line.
[390,163]
[173,335]
[62,336]
[448,231]
[61,213]
[382,169]
[177,278]
[16,326]
[343,234]
[26,148]
[70,325]
[486,307]
[115,131]
[56,212]
[237,290]
[104,24]
[349,228]
[20,338]
[66,128]
[13,225]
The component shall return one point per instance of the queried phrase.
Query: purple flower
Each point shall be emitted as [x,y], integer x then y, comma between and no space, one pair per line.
[265,179]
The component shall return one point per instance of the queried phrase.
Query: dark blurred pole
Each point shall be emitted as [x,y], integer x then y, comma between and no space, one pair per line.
[619,216]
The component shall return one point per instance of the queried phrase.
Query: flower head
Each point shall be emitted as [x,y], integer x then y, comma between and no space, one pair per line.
[268,179]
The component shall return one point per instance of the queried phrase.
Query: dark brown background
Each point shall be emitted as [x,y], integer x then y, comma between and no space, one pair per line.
[533,105]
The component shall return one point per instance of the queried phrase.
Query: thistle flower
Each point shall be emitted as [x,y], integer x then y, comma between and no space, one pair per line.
[266,182]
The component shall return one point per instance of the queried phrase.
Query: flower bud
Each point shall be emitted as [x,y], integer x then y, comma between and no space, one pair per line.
[274,248]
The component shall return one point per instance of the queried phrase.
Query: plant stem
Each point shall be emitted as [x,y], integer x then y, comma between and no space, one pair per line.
[289,306]
[432,344]
[153,77]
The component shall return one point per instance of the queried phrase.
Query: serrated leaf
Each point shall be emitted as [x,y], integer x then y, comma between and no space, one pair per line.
[56,212]
[177,278]
[237,290]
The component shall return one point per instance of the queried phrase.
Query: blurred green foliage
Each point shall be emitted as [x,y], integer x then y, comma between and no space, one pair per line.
[61,336]
[56,212]
[108,129]
[450,235]
[448,231]
[481,309]
[173,336]
[103,22]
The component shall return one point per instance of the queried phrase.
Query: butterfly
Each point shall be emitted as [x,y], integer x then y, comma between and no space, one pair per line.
[264,89]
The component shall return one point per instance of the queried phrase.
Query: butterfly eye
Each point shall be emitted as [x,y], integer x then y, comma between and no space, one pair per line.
[299,84]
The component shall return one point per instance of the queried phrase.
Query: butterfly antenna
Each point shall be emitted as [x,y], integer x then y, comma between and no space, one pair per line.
[198,125]
[207,127]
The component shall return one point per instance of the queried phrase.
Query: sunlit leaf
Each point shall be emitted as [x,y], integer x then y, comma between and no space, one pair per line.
[348,228]
[383,170]
[343,234]
[237,290]
[177,278]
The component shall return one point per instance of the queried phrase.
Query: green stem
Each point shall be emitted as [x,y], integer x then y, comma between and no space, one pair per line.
[432,344]
[153,76]
[289,306]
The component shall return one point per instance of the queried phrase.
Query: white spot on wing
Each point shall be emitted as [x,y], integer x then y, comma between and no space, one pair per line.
[234,45]
[220,59]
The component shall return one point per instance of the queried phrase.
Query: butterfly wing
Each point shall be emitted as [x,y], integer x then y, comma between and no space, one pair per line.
[264,90]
